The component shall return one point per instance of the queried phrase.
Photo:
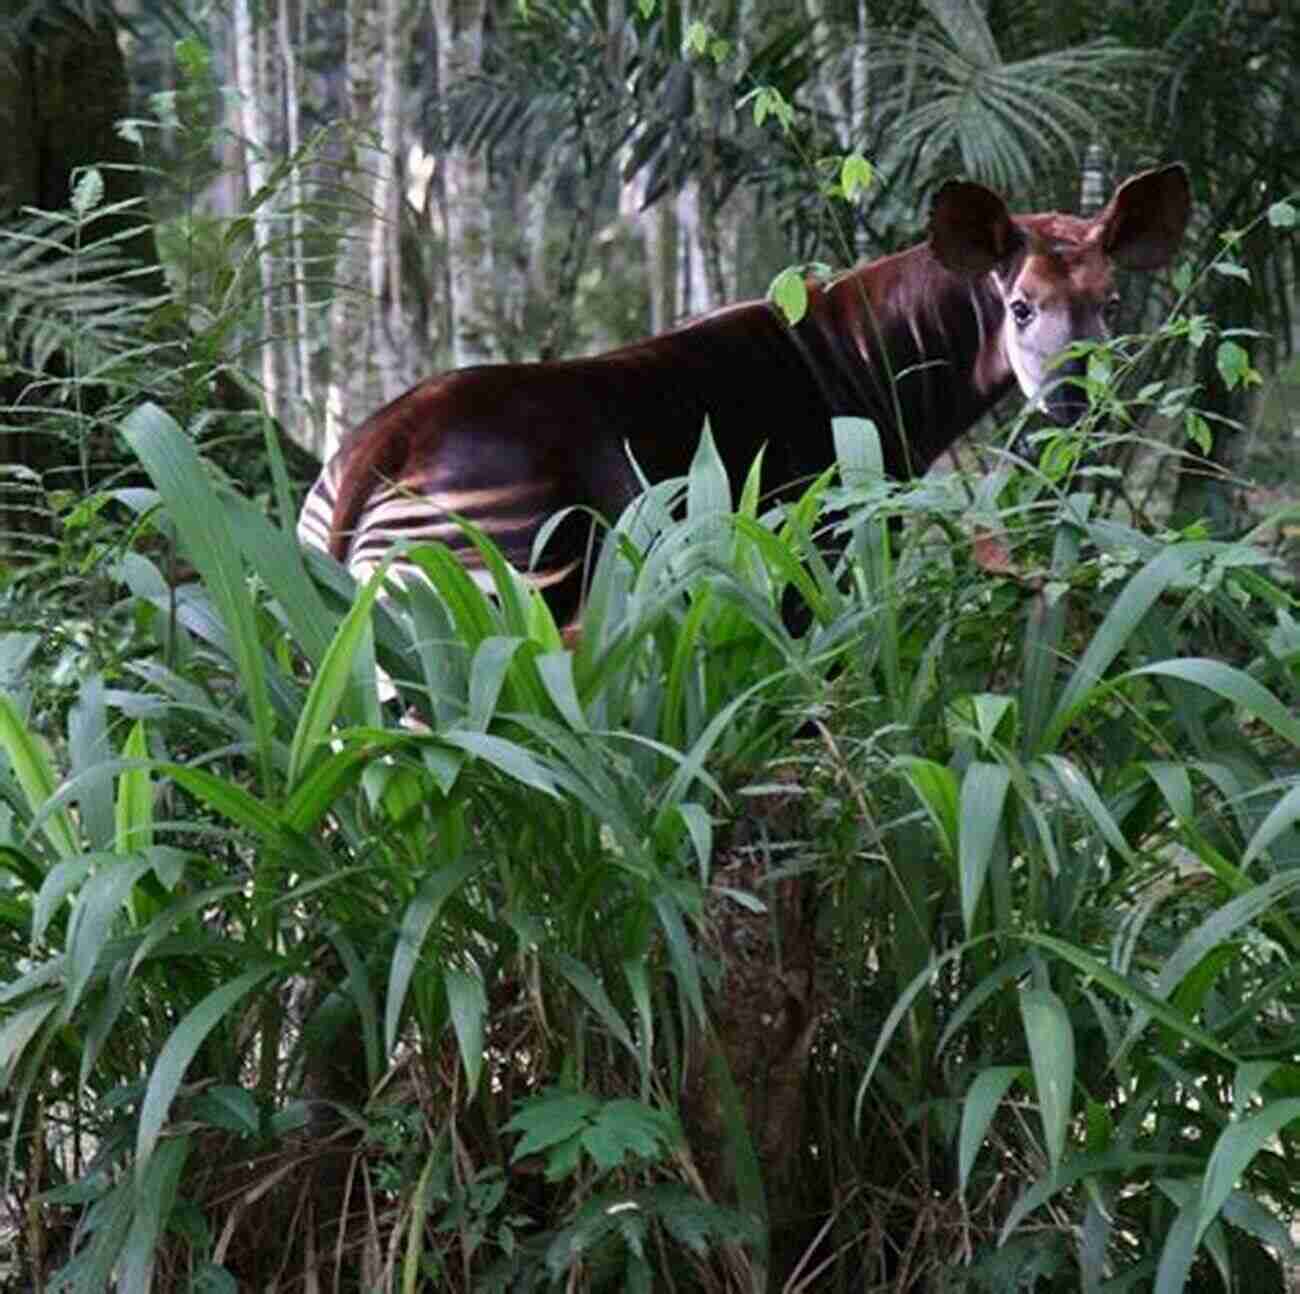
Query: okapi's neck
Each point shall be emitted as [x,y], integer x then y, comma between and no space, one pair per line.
[912,346]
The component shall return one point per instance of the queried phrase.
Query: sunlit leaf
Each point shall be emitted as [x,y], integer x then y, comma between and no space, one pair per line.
[789,293]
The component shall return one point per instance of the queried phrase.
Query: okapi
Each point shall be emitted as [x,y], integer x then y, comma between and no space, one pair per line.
[922,342]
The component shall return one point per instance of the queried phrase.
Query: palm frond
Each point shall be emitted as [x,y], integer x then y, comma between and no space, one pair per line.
[1000,122]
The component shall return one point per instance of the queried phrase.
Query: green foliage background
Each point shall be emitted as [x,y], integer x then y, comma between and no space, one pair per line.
[1031,768]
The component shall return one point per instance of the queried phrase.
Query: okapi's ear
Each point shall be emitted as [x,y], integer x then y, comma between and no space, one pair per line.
[1143,226]
[971,229]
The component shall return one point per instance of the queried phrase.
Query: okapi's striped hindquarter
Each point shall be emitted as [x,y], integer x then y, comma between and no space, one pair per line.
[923,343]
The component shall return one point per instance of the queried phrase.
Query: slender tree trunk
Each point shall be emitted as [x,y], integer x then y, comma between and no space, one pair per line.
[467,191]
[252,133]
[354,390]
[828,88]
[859,106]
[661,229]
[695,291]
[299,411]
[392,352]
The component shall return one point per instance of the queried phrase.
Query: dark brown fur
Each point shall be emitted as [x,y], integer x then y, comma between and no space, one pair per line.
[906,341]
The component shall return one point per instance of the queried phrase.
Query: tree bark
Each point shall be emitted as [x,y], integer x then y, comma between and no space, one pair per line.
[299,369]
[354,387]
[466,187]
[252,132]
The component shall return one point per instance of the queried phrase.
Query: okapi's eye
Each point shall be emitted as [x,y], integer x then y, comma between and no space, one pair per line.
[1021,311]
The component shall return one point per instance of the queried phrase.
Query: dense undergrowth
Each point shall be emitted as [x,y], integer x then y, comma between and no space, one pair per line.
[1038,793]
[948,943]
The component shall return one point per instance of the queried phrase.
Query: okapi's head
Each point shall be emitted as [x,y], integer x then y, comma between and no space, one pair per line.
[1054,272]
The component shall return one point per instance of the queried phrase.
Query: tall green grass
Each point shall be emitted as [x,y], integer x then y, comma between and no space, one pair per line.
[1039,812]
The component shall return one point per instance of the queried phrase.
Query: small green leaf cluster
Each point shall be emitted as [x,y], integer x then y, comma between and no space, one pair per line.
[574,1126]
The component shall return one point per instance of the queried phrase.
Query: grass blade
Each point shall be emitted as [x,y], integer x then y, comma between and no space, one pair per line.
[35,776]
[1051,1051]
[468,1005]
[977,1110]
[983,795]
[175,1056]
[203,523]
[419,916]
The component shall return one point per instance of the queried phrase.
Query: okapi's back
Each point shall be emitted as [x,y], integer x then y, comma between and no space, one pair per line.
[922,343]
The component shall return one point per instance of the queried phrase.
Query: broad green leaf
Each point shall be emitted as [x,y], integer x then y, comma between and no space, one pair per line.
[936,787]
[35,775]
[708,486]
[487,676]
[552,1117]
[1051,1051]
[59,882]
[1232,685]
[1122,1162]
[232,1108]
[510,608]
[203,523]
[276,558]
[1233,363]
[856,174]
[155,1197]
[1198,432]
[416,1227]
[227,798]
[1231,270]
[133,810]
[857,452]
[1250,1077]
[506,756]
[468,1006]
[419,916]
[1139,595]
[1076,785]
[682,954]
[1129,991]
[100,902]
[89,749]
[1282,817]
[351,646]
[593,993]
[789,293]
[357,987]
[1237,1146]
[1179,1251]
[174,1058]
[983,797]
[319,792]
[623,1127]
[977,1110]
[699,826]
[556,672]
[88,190]
[18,1030]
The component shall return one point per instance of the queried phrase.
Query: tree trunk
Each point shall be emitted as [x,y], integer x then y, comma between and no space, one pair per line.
[354,386]
[466,188]
[252,133]
[299,413]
